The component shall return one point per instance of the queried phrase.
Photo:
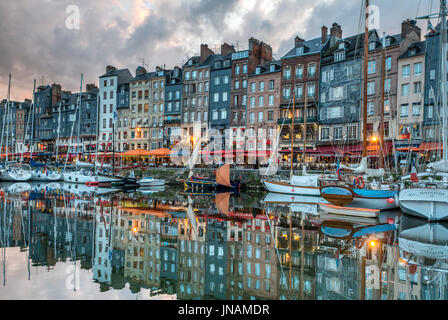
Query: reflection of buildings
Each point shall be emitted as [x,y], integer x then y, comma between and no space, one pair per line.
[168,254]
[215,259]
[102,265]
[296,246]
[259,260]
[191,253]
[235,251]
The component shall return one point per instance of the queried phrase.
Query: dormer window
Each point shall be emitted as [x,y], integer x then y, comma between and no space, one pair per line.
[339,56]
[190,62]
[372,46]
[218,64]
[412,52]
[272,68]
[387,42]
[257,70]
[299,50]
[173,81]
[226,63]
[341,45]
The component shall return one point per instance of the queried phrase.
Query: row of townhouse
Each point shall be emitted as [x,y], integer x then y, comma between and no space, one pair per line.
[250,93]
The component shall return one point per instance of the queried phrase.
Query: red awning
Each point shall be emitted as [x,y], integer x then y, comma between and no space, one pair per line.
[430,146]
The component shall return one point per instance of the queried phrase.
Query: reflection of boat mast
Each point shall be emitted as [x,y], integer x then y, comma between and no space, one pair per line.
[290,250]
[302,258]
[4,235]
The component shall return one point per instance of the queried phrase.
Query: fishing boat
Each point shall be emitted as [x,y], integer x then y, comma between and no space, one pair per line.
[429,199]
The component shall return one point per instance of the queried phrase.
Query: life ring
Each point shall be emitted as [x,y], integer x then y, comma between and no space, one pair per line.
[359,243]
[359,182]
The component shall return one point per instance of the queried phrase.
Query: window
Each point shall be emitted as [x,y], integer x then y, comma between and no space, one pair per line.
[271,100]
[287,73]
[226,79]
[261,101]
[216,97]
[237,84]
[299,92]
[388,63]
[261,86]
[417,68]
[337,93]
[270,116]
[328,75]
[224,96]
[371,68]
[339,56]
[405,90]
[334,112]
[387,85]
[271,84]
[417,87]
[404,110]
[245,68]
[253,86]
[223,114]
[371,88]
[386,106]
[252,102]
[351,132]
[260,116]
[286,92]
[311,90]
[216,80]
[244,84]
[337,133]
[372,46]
[237,70]
[370,108]
[299,72]
[325,133]
[251,117]
[406,71]
[432,74]
[416,109]
[311,70]
[430,111]
[215,115]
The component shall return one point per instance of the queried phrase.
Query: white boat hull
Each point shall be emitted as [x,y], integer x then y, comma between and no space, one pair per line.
[427,203]
[77,177]
[151,182]
[349,211]
[42,176]
[16,175]
[286,188]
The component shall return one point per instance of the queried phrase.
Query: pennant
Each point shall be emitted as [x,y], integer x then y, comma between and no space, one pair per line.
[430,27]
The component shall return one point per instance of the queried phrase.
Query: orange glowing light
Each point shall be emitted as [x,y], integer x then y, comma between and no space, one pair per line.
[372,243]
[374,139]
[134,229]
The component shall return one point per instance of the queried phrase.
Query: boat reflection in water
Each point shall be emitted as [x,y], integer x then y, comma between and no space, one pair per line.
[178,245]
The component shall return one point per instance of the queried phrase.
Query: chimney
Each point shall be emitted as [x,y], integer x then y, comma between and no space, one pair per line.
[205,53]
[56,93]
[226,49]
[408,26]
[110,68]
[298,41]
[324,34]
[336,31]
[90,87]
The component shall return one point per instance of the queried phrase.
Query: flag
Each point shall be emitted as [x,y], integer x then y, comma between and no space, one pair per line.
[430,27]
[414,177]
[338,171]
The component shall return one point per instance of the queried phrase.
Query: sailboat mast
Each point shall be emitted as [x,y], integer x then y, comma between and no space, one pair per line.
[364,99]
[383,70]
[59,129]
[443,36]
[292,131]
[8,116]
[32,120]
[304,125]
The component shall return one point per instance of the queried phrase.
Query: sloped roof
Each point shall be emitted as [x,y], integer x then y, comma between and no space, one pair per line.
[123,75]
[310,47]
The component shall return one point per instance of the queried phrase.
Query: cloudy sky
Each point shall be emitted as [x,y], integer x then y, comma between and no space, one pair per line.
[35,42]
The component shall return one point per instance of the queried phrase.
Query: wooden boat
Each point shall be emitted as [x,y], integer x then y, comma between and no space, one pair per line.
[222,181]
[349,211]
[297,185]
[340,194]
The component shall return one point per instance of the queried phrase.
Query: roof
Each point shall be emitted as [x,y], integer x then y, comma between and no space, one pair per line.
[145,76]
[415,49]
[266,68]
[354,47]
[123,75]
[312,46]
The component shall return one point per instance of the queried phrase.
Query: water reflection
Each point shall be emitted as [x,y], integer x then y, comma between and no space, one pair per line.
[171,244]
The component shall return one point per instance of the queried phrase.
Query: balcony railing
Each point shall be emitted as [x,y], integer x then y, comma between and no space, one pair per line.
[172,121]
[296,120]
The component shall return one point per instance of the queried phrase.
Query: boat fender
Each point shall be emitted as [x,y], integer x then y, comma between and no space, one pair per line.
[359,243]
[359,182]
